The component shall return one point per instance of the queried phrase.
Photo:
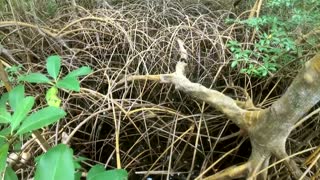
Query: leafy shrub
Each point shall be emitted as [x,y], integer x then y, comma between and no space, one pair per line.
[19,120]
[274,43]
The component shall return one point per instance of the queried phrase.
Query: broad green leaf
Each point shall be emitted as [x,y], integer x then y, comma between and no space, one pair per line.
[80,72]
[41,118]
[98,172]
[21,111]
[94,171]
[3,141]
[3,156]
[5,131]
[10,174]
[53,66]
[35,78]
[5,117]
[52,98]
[15,96]
[69,83]
[56,164]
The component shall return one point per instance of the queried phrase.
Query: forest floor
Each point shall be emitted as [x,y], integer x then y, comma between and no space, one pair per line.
[162,132]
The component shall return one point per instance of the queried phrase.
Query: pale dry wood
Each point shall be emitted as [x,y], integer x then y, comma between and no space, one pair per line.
[268,129]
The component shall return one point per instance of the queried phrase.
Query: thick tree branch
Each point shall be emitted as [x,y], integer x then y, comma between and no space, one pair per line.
[268,129]
[301,96]
[214,98]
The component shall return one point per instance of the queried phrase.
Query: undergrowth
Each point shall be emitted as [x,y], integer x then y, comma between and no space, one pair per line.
[162,132]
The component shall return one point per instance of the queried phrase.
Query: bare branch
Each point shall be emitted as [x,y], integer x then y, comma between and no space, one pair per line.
[214,98]
[231,172]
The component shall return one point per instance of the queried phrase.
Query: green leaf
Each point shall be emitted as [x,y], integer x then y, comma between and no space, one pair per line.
[5,131]
[5,117]
[80,72]
[77,176]
[56,164]
[3,101]
[77,165]
[21,111]
[81,158]
[234,64]
[15,96]
[244,70]
[94,171]
[265,73]
[2,141]
[69,83]
[52,98]
[10,174]
[41,118]
[98,172]
[35,78]
[53,66]
[3,156]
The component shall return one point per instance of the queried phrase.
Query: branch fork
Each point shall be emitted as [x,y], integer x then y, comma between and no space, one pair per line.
[268,129]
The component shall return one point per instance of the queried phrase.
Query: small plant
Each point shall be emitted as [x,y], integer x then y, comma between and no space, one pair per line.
[13,74]
[17,119]
[68,82]
[271,50]
[280,22]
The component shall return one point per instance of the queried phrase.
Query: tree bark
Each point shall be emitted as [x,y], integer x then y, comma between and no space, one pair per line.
[268,129]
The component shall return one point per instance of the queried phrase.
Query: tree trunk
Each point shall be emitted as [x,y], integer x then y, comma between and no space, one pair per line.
[268,129]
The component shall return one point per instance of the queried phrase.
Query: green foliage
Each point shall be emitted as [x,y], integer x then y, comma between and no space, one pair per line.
[41,118]
[56,164]
[70,83]
[296,13]
[274,44]
[258,61]
[21,106]
[9,174]
[52,97]
[98,172]
[5,116]
[15,96]
[53,66]
[13,73]
[3,156]
[21,112]
[51,7]
[80,72]
[18,119]
[35,78]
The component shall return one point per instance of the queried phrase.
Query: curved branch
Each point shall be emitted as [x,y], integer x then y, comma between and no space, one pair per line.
[231,172]
[214,98]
